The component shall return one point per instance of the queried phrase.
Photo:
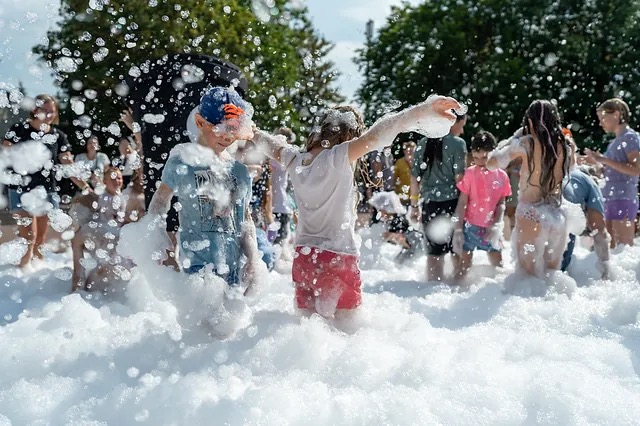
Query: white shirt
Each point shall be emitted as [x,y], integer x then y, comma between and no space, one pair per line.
[279,180]
[326,196]
[97,164]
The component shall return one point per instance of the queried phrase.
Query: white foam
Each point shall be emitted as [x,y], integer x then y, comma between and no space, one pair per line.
[156,354]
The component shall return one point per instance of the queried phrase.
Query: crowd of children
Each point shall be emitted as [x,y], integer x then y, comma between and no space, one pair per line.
[243,191]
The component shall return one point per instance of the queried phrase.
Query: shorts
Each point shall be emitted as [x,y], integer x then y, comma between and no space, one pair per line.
[317,272]
[621,209]
[568,253]
[430,211]
[16,206]
[475,239]
[284,220]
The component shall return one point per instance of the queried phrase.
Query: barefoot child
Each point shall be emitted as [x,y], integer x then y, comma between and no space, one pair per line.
[540,233]
[325,268]
[481,207]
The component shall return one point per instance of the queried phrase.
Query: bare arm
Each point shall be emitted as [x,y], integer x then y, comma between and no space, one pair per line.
[498,216]
[384,131]
[267,202]
[161,201]
[66,158]
[249,241]
[501,157]
[631,167]
[461,208]
[270,145]
[127,118]
[6,143]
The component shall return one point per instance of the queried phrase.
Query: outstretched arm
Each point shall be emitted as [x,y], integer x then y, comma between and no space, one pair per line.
[507,151]
[434,111]
[270,145]
[630,167]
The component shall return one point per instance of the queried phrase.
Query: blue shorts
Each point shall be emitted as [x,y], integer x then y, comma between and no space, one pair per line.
[475,239]
[15,205]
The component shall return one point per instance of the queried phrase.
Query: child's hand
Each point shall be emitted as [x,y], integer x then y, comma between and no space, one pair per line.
[593,157]
[458,241]
[494,235]
[446,106]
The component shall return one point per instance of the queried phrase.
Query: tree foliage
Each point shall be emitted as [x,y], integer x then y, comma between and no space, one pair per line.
[499,55]
[95,47]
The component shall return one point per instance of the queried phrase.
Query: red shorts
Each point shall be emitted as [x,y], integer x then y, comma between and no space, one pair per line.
[324,272]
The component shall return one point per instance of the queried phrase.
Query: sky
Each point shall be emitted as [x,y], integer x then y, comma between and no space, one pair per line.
[23,23]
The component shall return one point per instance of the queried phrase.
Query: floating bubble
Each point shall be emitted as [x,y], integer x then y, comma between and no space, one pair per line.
[90,94]
[65,65]
[121,89]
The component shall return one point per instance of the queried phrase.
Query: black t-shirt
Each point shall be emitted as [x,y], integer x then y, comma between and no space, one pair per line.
[398,224]
[55,141]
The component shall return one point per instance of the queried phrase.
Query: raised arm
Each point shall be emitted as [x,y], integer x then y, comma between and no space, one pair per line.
[270,145]
[506,152]
[433,114]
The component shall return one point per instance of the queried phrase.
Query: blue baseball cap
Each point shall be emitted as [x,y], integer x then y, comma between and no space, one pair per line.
[220,103]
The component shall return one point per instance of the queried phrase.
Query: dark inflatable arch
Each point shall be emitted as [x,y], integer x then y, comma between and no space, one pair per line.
[171,86]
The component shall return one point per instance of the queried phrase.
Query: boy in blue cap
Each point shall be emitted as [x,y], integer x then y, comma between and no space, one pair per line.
[213,190]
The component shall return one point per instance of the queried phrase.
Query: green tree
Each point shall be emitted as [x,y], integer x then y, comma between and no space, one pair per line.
[499,55]
[95,47]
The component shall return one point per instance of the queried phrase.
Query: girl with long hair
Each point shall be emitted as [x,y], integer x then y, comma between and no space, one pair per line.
[34,190]
[540,232]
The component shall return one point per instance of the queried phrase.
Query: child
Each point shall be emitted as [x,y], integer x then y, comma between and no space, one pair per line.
[325,268]
[621,167]
[398,230]
[98,219]
[582,189]
[481,207]
[402,171]
[214,192]
[541,231]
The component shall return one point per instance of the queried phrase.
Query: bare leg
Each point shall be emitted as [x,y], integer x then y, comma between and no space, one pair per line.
[27,230]
[495,258]
[435,268]
[614,240]
[77,248]
[556,243]
[623,231]
[528,246]
[42,225]
[463,265]
[172,254]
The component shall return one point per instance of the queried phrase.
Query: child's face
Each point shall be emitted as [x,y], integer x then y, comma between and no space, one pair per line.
[480,158]
[408,150]
[113,181]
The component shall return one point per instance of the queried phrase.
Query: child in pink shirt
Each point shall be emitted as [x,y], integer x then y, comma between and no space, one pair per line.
[482,205]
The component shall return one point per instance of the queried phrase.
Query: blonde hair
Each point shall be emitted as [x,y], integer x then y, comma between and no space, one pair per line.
[42,99]
[335,130]
[616,105]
